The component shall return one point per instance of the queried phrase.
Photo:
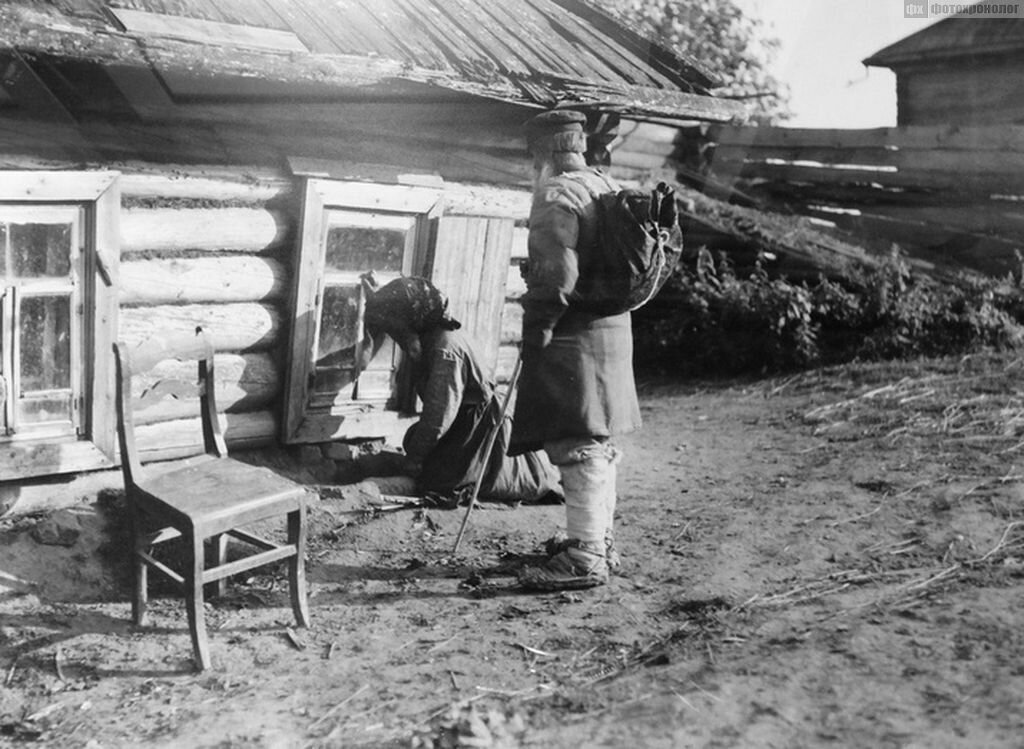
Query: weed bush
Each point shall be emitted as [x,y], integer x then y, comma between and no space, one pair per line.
[708,320]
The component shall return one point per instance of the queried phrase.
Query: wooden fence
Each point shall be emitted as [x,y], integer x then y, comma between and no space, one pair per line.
[951,195]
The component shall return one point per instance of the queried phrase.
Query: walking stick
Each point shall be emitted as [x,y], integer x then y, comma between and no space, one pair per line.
[488,448]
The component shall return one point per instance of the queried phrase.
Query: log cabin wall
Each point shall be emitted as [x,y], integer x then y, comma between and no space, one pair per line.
[215,246]
[212,251]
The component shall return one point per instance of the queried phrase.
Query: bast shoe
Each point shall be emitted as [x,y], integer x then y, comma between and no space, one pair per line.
[574,568]
[611,553]
[560,542]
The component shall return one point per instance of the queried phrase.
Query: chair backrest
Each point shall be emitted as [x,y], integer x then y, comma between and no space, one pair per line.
[160,379]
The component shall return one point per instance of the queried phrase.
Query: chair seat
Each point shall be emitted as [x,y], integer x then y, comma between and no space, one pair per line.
[211,494]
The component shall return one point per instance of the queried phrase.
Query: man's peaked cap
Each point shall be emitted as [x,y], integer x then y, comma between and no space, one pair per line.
[559,130]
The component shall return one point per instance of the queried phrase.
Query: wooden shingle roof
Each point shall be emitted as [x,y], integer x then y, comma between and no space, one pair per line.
[953,38]
[536,52]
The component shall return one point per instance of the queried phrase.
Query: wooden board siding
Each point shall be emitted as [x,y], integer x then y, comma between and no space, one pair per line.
[511,332]
[947,194]
[967,94]
[470,264]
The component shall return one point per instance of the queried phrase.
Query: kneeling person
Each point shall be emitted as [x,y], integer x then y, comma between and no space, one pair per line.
[460,407]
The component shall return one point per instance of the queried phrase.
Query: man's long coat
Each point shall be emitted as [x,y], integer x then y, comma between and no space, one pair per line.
[577,377]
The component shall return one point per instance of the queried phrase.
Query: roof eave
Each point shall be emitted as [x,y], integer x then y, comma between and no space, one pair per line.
[892,60]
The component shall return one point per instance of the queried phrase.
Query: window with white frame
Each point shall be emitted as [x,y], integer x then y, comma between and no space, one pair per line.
[342,383]
[58,312]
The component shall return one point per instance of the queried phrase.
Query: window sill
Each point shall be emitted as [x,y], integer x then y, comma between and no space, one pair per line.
[31,458]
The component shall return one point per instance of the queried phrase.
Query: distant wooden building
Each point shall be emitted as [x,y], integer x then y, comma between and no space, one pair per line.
[237,164]
[959,71]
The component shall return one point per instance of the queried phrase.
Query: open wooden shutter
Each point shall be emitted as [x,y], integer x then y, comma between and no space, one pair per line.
[470,265]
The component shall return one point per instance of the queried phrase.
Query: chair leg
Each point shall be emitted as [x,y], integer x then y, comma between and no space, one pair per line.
[139,590]
[194,605]
[140,572]
[220,554]
[297,566]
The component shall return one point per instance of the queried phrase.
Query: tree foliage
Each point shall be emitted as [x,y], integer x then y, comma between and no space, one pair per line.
[734,46]
[709,320]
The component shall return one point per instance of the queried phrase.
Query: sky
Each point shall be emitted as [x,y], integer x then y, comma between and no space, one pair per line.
[823,43]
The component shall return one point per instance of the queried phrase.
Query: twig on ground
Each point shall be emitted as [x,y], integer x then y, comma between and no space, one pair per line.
[535,651]
[685,701]
[855,518]
[915,487]
[704,691]
[1000,544]
[338,706]
[513,693]
[783,385]
[441,644]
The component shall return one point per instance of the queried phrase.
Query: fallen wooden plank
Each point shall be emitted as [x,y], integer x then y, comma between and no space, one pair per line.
[990,138]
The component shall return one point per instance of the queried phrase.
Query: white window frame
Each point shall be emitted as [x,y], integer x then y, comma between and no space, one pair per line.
[386,205]
[92,444]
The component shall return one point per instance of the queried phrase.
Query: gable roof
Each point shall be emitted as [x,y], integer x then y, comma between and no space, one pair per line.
[954,38]
[536,52]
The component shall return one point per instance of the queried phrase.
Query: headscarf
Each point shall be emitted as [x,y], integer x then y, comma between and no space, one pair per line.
[408,305]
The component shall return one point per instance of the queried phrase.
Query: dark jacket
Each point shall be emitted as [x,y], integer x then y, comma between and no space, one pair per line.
[577,377]
[460,410]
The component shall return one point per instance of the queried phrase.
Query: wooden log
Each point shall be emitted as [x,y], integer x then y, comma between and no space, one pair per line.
[170,440]
[483,200]
[231,327]
[202,280]
[244,185]
[649,132]
[217,229]
[634,144]
[244,382]
[47,494]
[640,160]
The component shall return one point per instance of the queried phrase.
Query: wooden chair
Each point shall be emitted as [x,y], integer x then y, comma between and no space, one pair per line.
[207,496]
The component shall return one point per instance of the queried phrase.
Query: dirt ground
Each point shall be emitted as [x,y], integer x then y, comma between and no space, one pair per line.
[830,559]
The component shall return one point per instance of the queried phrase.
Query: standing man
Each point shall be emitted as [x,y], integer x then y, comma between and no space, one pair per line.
[576,389]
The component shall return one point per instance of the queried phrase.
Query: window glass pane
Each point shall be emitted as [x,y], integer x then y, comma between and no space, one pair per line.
[45,343]
[39,250]
[339,320]
[4,233]
[337,367]
[355,248]
[54,407]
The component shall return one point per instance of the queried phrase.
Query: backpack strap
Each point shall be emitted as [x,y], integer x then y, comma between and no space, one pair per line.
[588,180]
